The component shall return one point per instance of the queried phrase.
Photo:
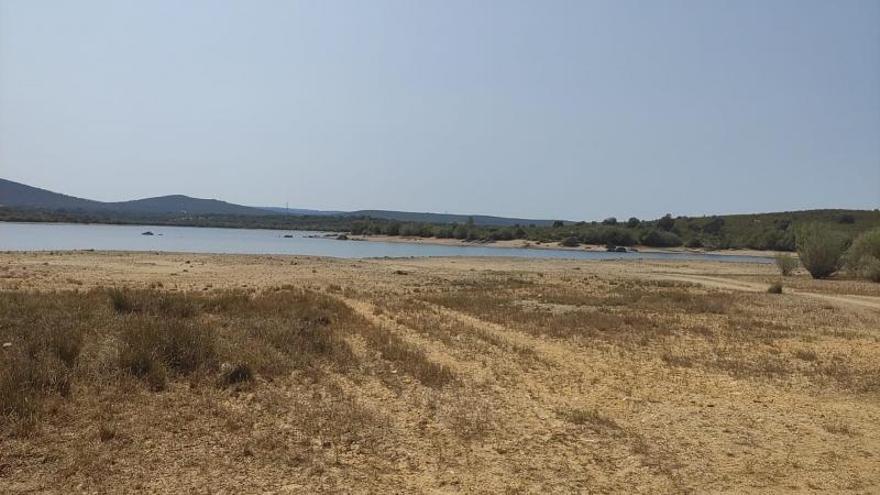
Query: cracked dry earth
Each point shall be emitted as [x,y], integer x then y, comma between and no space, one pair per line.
[467,375]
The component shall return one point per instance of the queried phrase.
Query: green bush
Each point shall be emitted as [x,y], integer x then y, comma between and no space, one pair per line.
[694,243]
[819,249]
[863,257]
[659,238]
[871,270]
[786,264]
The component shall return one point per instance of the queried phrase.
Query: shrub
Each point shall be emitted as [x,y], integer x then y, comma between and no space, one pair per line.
[786,264]
[820,251]
[863,257]
[570,241]
[659,238]
[694,243]
[871,270]
[846,218]
[775,288]
[633,222]
[610,221]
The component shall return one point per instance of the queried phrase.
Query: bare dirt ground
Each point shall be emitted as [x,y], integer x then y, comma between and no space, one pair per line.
[481,375]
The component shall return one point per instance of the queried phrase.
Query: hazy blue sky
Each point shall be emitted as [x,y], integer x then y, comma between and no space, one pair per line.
[575,110]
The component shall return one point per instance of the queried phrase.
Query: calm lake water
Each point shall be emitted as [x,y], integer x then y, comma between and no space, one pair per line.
[60,236]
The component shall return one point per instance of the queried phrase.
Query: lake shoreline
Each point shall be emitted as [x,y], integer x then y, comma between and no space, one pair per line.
[515,244]
[176,239]
[554,246]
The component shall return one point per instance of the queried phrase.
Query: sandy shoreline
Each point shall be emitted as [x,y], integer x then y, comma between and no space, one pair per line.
[555,246]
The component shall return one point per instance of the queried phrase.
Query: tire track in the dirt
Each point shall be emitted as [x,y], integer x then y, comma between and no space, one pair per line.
[526,403]
[434,351]
[723,283]
[569,384]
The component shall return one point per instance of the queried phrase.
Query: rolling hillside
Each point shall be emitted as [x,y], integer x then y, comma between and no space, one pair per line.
[22,196]
[16,195]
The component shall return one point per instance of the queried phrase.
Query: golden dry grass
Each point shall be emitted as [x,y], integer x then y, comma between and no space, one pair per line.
[252,374]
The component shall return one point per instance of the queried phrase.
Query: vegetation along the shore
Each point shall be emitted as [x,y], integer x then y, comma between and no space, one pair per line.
[766,231]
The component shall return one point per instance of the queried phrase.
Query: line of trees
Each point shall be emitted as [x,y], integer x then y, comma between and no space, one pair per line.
[774,231]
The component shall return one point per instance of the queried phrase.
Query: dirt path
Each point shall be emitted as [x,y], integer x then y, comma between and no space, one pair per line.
[724,283]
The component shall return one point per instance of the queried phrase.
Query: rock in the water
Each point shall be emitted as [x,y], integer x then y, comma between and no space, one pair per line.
[146,233]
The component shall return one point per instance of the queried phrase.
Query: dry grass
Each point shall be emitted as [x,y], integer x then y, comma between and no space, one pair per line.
[276,374]
[407,357]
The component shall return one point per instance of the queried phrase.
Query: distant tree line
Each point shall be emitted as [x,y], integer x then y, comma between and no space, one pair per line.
[771,231]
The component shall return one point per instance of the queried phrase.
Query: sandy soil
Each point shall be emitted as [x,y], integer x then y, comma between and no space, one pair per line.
[521,243]
[702,392]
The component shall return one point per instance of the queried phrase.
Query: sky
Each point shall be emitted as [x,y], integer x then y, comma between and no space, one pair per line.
[538,109]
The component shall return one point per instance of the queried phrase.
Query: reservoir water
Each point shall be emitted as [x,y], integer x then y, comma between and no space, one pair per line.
[60,236]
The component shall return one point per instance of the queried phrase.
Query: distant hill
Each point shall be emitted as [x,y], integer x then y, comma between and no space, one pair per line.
[410,216]
[184,204]
[484,220]
[16,195]
[13,194]
[305,212]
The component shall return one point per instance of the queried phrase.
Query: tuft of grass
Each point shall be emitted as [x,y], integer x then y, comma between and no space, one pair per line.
[46,338]
[775,288]
[806,355]
[590,418]
[677,360]
[152,302]
[232,374]
[178,345]
[839,427]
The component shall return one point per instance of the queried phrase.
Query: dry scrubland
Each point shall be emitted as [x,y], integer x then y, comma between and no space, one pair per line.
[252,374]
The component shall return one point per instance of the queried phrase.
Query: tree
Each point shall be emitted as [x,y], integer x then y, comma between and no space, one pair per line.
[659,238]
[633,222]
[713,226]
[610,221]
[863,257]
[820,251]
[558,223]
[666,223]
